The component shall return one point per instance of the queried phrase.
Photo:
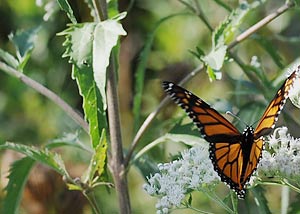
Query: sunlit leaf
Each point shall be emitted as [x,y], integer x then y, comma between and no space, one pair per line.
[79,44]
[216,58]
[98,161]
[105,38]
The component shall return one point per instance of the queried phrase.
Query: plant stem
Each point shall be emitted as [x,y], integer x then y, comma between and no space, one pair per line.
[261,24]
[47,93]
[116,161]
[90,195]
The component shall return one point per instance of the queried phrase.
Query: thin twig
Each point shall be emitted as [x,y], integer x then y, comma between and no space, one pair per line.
[47,93]
[261,24]
[98,11]
[239,39]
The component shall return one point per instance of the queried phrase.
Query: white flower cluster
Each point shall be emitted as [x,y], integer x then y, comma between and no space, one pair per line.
[193,172]
[281,158]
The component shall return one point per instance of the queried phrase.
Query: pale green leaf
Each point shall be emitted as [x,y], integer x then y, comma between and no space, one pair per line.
[9,59]
[216,58]
[105,38]
[18,175]
[79,45]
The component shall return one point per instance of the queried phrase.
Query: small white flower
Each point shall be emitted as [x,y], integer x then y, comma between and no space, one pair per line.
[181,176]
[282,158]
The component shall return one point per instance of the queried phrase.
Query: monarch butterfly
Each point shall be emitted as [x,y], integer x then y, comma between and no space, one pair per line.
[234,155]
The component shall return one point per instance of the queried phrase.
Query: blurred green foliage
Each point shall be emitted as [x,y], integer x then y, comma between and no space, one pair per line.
[27,117]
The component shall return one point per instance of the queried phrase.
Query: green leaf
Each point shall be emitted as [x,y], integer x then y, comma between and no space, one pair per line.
[258,193]
[65,6]
[140,71]
[89,46]
[222,36]
[44,156]
[105,38]
[9,59]
[24,44]
[18,174]
[189,140]
[79,45]
[145,165]
[98,161]
[69,139]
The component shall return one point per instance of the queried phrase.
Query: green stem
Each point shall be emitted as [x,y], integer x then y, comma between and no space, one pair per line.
[90,195]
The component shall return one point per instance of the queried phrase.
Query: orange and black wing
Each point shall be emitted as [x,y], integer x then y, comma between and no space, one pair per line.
[270,116]
[212,125]
[225,140]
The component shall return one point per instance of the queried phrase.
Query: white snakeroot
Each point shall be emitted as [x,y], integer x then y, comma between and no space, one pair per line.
[294,93]
[174,180]
[281,158]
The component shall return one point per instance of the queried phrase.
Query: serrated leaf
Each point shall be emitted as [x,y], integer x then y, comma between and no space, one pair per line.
[98,161]
[24,44]
[227,30]
[65,6]
[89,46]
[18,175]
[106,35]
[9,59]
[44,156]
[223,35]
[79,45]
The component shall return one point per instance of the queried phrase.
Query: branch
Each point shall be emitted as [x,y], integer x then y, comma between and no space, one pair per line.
[116,159]
[47,93]
[261,24]
[239,39]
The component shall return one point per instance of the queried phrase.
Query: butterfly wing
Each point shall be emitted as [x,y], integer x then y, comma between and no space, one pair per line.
[270,116]
[212,125]
[225,140]
[252,162]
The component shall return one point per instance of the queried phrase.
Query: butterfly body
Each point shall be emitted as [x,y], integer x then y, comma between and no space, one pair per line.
[234,155]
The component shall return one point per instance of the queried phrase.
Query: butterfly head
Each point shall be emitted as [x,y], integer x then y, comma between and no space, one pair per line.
[248,131]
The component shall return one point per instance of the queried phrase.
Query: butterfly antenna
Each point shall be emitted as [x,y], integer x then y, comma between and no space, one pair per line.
[236,117]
